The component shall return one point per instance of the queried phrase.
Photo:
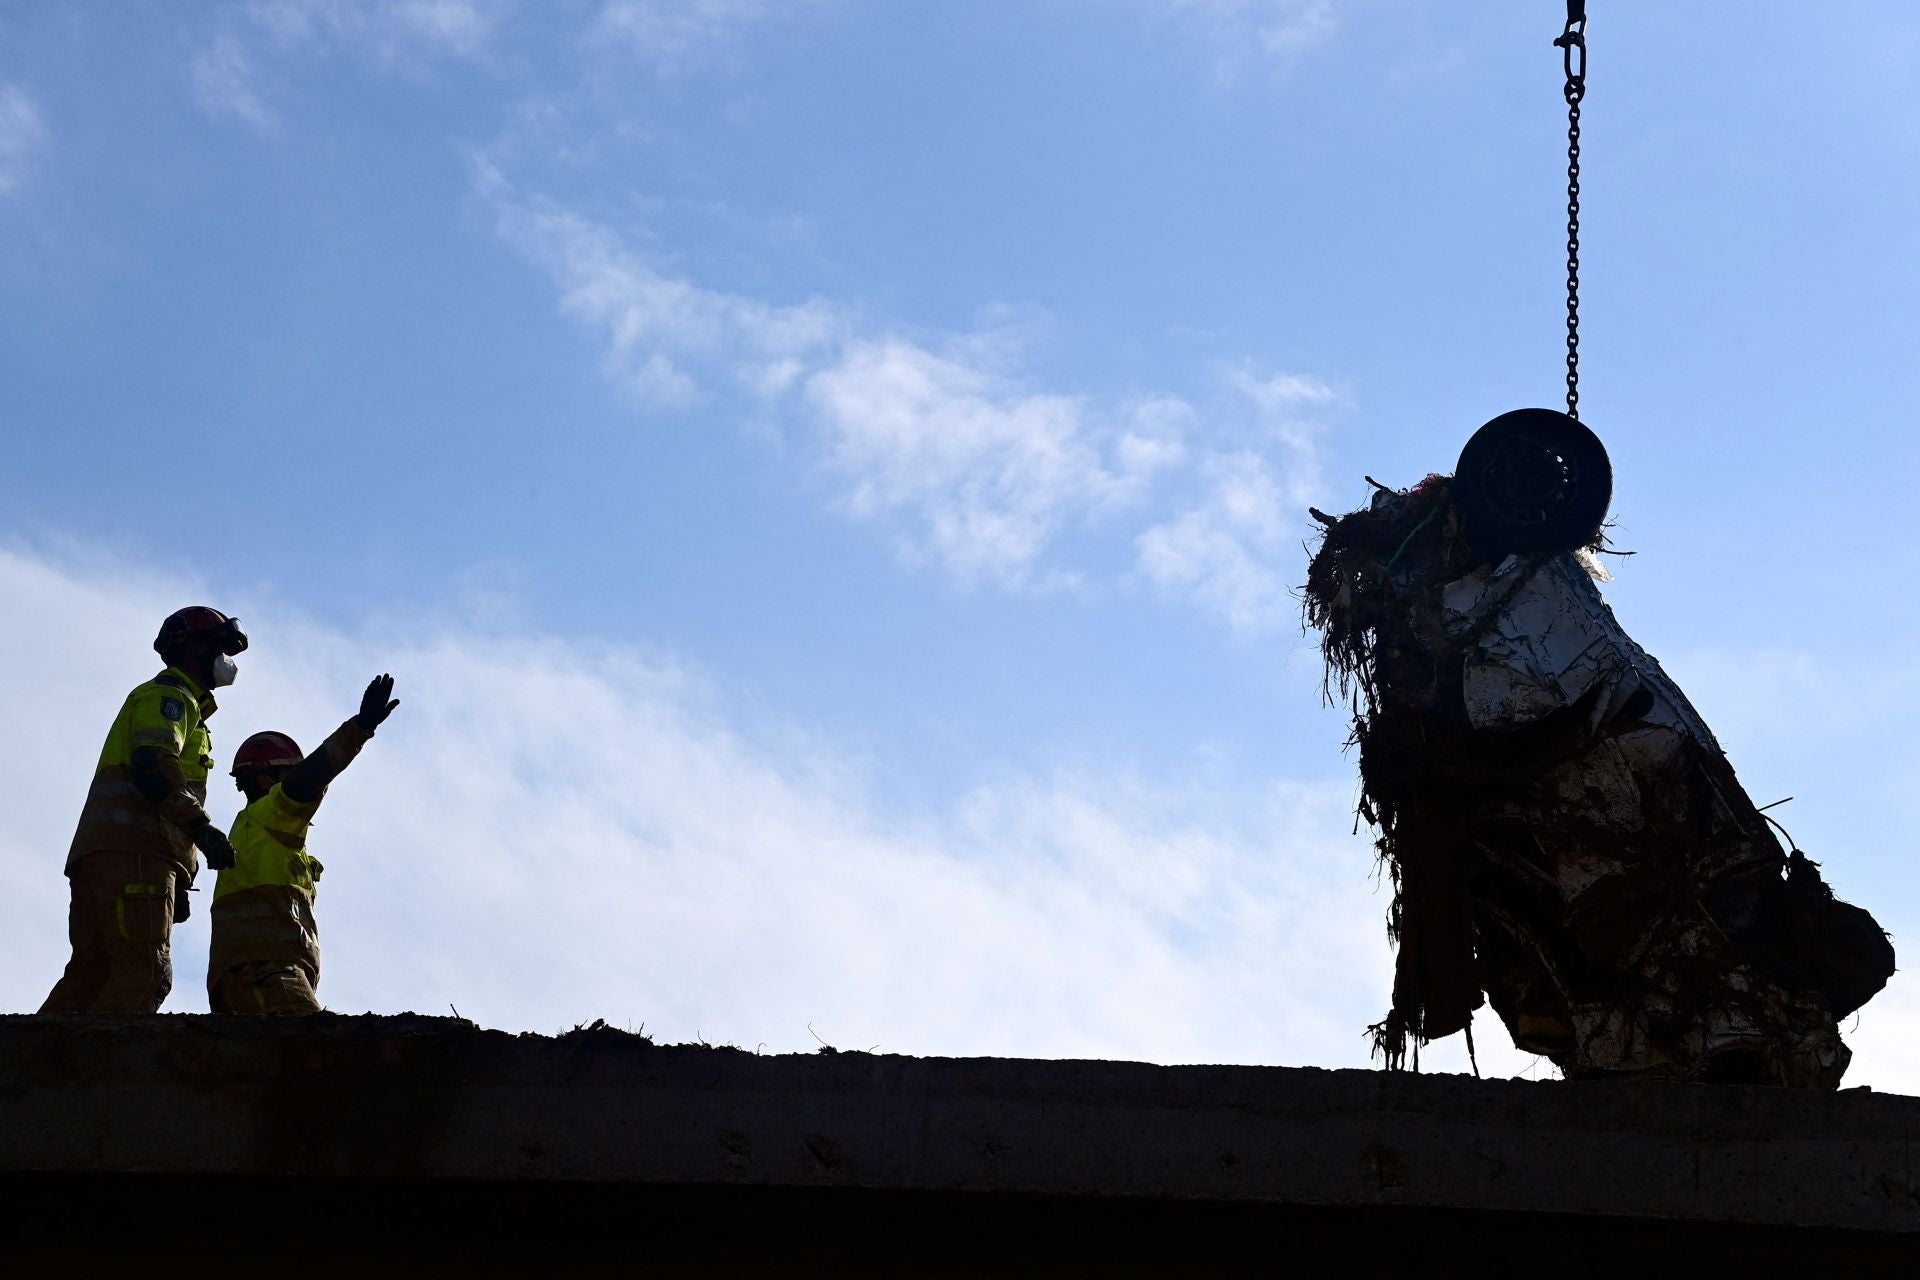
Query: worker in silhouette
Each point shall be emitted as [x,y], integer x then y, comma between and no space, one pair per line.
[266,946]
[133,854]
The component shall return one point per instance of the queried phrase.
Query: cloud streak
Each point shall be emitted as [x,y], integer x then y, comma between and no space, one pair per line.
[23,134]
[966,466]
[673,37]
[1278,28]
[991,472]
[1232,547]
[386,30]
[932,439]
[1223,550]
[227,74]
[666,339]
[224,84]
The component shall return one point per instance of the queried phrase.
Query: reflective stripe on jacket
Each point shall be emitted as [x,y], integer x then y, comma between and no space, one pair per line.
[263,904]
[167,713]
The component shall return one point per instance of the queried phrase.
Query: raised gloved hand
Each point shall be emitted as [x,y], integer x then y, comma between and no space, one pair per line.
[378,703]
[213,842]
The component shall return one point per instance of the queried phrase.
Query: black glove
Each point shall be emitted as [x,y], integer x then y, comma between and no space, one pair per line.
[182,906]
[213,842]
[377,704]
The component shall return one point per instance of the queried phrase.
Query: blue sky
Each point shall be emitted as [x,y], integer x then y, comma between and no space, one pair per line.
[904,414]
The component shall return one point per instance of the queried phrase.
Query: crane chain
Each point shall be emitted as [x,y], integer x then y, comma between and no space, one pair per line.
[1573,46]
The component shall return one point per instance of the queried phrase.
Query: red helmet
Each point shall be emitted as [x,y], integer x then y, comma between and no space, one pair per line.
[267,750]
[198,622]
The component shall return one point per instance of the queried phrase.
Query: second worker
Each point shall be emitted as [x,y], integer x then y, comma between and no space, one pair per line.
[265,955]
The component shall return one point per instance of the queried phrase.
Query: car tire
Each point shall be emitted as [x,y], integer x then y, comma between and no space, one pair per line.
[1532,481]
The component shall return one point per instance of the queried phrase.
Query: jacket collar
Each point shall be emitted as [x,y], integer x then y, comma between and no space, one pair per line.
[202,696]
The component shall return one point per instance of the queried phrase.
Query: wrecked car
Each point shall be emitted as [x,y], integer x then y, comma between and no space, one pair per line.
[1565,838]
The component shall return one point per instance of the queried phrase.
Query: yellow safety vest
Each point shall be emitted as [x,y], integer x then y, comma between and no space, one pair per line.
[263,903]
[169,714]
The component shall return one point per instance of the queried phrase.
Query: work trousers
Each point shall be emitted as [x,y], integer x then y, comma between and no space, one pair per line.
[270,986]
[120,922]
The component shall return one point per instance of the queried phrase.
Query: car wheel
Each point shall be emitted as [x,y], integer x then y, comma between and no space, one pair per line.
[1532,481]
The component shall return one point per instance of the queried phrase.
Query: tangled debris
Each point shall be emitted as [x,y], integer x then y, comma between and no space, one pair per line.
[1562,830]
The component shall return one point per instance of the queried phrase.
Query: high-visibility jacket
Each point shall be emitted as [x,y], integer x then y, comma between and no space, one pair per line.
[168,714]
[263,903]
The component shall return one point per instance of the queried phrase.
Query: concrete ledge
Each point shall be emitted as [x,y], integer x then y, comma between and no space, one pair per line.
[603,1117]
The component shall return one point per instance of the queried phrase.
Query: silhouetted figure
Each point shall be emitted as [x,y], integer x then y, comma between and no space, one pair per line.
[132,857]
[266,945]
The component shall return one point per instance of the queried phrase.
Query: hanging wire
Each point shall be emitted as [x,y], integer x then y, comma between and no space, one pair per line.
[1573,59]
[1792,844]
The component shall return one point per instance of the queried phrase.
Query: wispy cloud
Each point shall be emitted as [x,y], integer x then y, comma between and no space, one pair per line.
[665,336]
[404,34]
[22,135]
[387,30]
[1226,550]
[988,472]
[1275,27]
[1290,416]
[223,84]
[675,36]
[1233,548]
[936,439]
[940,440]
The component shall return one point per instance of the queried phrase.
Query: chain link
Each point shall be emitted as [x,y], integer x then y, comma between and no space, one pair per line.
[1573,250]
[1573,46]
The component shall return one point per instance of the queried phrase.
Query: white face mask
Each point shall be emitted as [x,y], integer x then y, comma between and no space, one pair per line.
[224,670]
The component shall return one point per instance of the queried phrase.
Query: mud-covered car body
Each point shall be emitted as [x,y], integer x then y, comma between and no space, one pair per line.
[1563,831]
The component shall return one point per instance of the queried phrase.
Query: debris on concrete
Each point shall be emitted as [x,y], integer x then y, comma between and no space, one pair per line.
[466,1145]
[1565,837]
